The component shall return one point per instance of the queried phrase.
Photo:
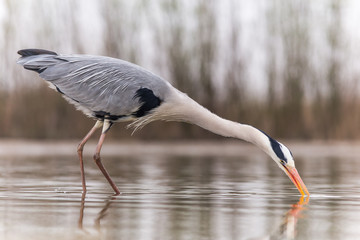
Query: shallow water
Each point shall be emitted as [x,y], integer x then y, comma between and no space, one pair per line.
[178,198]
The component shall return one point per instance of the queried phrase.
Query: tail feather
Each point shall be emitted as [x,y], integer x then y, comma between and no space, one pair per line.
[34,51]
[37,60]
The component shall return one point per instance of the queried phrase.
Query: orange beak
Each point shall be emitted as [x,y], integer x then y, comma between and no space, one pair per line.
[296,179]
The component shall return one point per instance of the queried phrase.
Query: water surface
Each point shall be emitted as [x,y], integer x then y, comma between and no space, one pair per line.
[174,197]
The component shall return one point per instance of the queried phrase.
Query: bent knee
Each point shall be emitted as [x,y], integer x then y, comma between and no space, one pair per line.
[80,148]
[96,157]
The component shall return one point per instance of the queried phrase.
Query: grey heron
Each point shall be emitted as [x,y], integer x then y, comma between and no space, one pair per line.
[111,90]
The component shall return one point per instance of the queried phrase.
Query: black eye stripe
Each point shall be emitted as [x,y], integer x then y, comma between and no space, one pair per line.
[275,145]
[277,149]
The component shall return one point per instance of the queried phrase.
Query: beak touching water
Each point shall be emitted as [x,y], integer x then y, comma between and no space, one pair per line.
[296,179]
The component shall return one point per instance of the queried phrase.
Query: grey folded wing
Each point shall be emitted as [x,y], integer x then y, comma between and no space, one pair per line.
[99,84]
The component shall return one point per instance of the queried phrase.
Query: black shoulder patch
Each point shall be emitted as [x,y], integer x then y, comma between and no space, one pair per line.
[275,145]
[148,100]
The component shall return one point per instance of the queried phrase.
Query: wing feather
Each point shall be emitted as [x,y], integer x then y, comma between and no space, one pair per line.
[98,84]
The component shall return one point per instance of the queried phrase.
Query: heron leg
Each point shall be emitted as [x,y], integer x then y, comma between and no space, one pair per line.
[80,148]
[106,127]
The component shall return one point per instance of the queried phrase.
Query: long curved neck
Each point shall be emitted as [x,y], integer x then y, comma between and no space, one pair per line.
[192,112]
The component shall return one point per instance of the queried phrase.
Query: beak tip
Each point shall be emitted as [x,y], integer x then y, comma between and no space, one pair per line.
[296,179]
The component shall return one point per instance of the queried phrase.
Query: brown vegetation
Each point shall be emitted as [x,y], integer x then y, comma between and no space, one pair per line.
[306,96]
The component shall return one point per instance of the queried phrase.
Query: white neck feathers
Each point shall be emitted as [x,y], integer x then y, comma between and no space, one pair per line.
[183,108]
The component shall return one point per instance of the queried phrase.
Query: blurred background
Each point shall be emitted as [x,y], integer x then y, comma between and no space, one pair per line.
[290,68]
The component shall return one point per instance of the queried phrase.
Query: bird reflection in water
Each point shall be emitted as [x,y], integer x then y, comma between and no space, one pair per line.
[100,215]
[288,226]
[287,229]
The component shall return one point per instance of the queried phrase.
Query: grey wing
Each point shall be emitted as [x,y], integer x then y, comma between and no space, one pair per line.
[99,84]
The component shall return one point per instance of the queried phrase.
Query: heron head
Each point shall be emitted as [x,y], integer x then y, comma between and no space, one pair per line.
[284,159]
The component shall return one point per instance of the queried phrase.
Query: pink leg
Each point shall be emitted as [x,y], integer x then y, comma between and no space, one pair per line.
[80,148]
[82,207]
[97,158]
